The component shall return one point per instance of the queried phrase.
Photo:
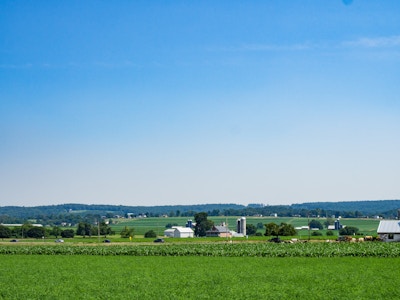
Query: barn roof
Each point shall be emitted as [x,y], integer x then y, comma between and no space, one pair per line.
[184,229]
[222,228]
[386,226]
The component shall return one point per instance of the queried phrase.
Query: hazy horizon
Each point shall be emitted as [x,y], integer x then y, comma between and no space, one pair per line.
[201,204]
[149,103]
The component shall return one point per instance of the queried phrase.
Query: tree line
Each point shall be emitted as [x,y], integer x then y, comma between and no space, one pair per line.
[55,215]
[83,229]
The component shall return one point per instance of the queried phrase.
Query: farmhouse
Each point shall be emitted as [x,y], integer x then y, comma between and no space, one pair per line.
[389,230]
[179,232]
[219,231]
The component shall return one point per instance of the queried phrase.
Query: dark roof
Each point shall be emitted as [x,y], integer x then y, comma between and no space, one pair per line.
[219,229]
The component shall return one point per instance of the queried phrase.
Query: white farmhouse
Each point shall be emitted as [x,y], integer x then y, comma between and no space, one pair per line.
[389,230]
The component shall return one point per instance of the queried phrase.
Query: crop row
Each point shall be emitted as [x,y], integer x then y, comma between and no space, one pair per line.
[216,250]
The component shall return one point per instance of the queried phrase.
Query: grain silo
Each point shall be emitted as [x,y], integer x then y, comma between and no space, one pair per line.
[241,226]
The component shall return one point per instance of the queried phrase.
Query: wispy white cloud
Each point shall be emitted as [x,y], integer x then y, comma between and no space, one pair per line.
[377,42]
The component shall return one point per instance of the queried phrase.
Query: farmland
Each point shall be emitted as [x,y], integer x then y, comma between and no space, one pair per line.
[204,270]
[245,249]
[192,277]
[199,268]
[366,226]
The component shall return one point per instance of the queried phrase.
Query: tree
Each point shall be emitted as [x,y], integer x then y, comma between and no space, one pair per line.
[316,224]
[36,232]
[284,229]
[271,229]
[22,231]
[202,224]
[150,234]
[260,225]
[127,232]
[105,229]
[68,233]
[215,212]
[84,229]
[55,231]
[348,230]
[5,232]
[251,229]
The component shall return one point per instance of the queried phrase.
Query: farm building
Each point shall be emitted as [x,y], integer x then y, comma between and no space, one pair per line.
[389,230]
[179,232]
[219,231]
[169,232]
[20,225]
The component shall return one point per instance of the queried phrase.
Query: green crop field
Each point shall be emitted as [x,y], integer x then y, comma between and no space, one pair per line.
[200,271]
[192,277]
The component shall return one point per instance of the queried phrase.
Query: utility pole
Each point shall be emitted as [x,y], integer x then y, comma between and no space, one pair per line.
[98,230]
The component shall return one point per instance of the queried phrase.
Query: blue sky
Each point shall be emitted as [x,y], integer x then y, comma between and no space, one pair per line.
[189,102]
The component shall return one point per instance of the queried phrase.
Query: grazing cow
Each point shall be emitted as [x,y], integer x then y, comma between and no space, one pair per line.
[348,238]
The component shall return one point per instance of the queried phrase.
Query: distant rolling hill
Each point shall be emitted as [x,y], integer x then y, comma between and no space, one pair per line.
[366,207]
[386,208]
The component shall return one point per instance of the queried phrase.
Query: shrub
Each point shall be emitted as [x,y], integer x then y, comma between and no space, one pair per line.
[150,234]
[127,232]
[329,233]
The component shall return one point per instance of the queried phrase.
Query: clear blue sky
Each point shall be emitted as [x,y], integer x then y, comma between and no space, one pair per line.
[189,102]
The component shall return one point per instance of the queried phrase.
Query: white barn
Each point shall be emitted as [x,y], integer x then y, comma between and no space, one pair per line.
[169,232]
[389,230]
[179,232]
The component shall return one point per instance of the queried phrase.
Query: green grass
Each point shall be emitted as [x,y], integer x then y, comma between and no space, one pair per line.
[130,277]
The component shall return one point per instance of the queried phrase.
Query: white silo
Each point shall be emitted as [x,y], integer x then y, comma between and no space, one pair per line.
[241,226]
